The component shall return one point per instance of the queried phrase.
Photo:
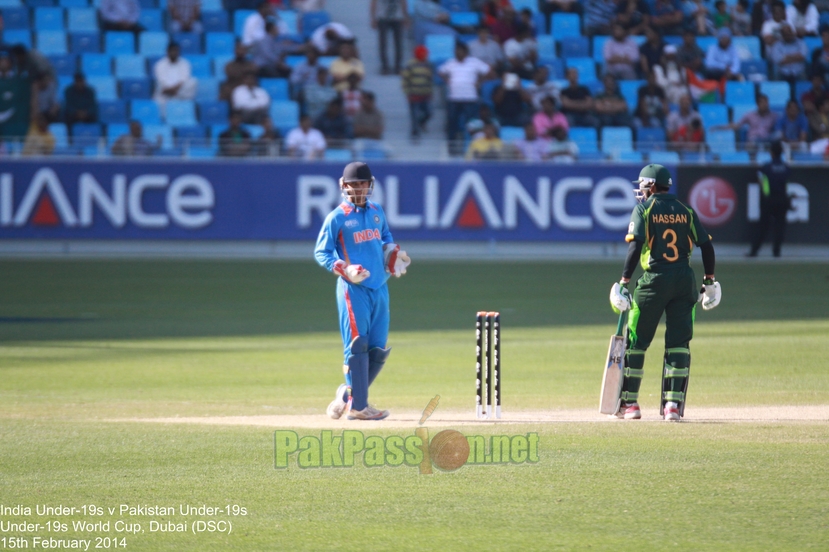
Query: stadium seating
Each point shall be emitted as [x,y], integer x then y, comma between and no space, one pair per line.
[113,111]
[313,20]
[630,92]
[151,19]
[84,43]
[441,48]
[201,66]
[546,48]
[153,43]
[213,112]
[586,67]
[181,113]
[565,24]
[779,93]
[96,65]
[16,19]
[145,111]
[64,64]
[721,141]
[713,115]
[342,155]
[575,46]
[664,157]
[650,139]
[208,89]
[48,19]
[585,138]
[737,92]
[219,44]
[512,133]
[130,67]
[82,20]
[277,89]
[190,43]
[739,110]
[105,88]
[135,89]
[734,157]
[119,43]
[616,139]
[285,115]
[18,36]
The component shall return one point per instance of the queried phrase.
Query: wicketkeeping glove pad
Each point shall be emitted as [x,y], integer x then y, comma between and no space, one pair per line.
[353,273]
[711,295]
[619,297]
[395,259]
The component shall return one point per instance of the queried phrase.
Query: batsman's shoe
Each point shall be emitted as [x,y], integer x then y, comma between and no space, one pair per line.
[368,413]
[671,412]
[337,407]
[629,412]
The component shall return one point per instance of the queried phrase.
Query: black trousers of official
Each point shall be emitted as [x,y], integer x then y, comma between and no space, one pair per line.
[772,215]
[395,26]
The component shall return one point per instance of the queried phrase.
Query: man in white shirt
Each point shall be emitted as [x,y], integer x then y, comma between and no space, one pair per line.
[251,101]
[722,59]
[486,49]
[462,74]
[305,142]
[326,39]
[621,54]
[120,15]
[521,52]
[173,78]
[254,28]
[770,31]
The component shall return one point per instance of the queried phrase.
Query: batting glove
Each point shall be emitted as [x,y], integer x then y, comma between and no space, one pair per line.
[710,294]
[353,273]
[619,297]
[395,260]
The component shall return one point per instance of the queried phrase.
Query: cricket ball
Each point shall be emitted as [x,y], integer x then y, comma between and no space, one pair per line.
[449,450]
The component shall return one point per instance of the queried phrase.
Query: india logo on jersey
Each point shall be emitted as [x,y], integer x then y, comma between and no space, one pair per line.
[366,235]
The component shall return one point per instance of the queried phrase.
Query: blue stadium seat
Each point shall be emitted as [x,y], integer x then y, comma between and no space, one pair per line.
[720,141]
[211,5]
[705,42]
[779,93]
[181,113]
[754,69]
[800,88]
[313,20]
[65,64]
[630,157]
[585,138]
[276,88]
[136,89]
[441,47]
[16,18]
[201,152]
[190,43]
[546,48]
[664,157]
[115,131]
[617,139]
[74,3]
[151,19]
[556,69]
[208,89]
[336,154]
[464,19]
[290,19]
[735,157]
[531,5]
[86,134]
[153,43]
[119,43]
[49,19]
[60,133]
[650,139]
[213,112]
[285,115]
[738,110]
[239,17]
[713,115]
[191,134]
[512,133]
[487,88]
[812,43]
[598,47]
[739,93]
[96,65]
[18,36]
[145,111]
[153,131]
[215,21]
[51,43]
[84,43]
[130,67]
[455,5]
[219,63]
[629,89]
[586,67]
[748,47]
[201,66]
[255,130]
[64,81]
[565,24]
[112,111]
[219,44]
[149,4]
[575,46]
[82,20]
[105,88]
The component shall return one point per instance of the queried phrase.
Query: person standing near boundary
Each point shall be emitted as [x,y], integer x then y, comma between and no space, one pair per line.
[661,234]
[356,245]
[774,202]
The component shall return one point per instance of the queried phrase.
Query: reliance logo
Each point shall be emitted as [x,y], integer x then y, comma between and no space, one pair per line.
[189,200]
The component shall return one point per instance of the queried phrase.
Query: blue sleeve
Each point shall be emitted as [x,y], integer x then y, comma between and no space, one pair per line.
[326,250]
[385,233]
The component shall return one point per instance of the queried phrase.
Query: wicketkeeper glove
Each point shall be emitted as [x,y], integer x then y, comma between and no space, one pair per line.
[619,297]
[711,294]
[353,273]
[395,260]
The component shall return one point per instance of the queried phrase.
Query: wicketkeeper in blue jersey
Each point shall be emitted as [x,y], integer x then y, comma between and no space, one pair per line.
[356,245]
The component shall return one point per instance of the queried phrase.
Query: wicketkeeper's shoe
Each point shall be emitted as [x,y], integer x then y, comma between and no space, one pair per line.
[368,413]
[337,407]
[671,412]
[629,412]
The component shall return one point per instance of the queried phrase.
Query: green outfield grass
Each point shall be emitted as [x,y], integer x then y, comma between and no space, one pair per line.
[82,343]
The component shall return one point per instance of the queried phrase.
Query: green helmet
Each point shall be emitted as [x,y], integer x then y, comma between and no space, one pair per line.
[650,176]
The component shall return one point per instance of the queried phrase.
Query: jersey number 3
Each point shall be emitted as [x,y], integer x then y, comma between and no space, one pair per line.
[671,245]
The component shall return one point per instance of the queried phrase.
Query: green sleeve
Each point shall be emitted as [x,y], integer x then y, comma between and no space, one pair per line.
[699,233]
[637,229]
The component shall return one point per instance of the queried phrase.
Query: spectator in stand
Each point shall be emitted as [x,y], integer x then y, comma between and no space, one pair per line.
[39,140]
[684,126]
[803,16]
[345,65]
[671,76]
[521,52]
[689,54]
[133,144]
[491,9]
[541,87]
[760,123]
[489,146]
[317,96]
[788,56]
[327,38]
[305,72]
[305,142]
[37,68]
[611,107]
[254,27]
[793,127]
[721,16]
[532,147]
[173,78]
[633,15]
[819,127]
[599,16]
[760,13]
[235,71]
[561,149]
[417,79]
[621,54]
[512,103]
[352,96]
[548,118]
[334,125]
[184,16]
[696,17]
[250,101]
[430,18]
[15,101]
[771,28]
[577,102]
[643,117]
[236,140]
[820,56]
[80,104]
[654,99]
[462,75]
[741,18]
[487,50]
[390,16]
[650,53]
[475,126]
[722,60]
[549,7]
[368,122]
[119,15]
[267,144]
[813,98]
[525,17]
[269,53]
[503,27]
[666,17]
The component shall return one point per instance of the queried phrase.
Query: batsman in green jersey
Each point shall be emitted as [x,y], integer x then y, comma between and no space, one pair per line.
[662,234]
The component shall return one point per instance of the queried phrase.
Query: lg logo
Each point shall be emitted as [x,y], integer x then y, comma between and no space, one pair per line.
[714,201]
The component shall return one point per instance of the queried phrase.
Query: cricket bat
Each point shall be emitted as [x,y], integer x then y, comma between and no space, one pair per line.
[614,368]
